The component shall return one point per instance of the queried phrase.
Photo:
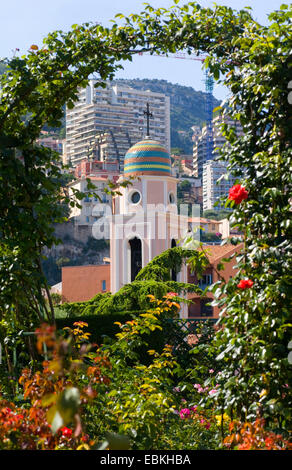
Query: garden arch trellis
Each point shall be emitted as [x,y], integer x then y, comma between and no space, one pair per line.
[256,63]
[38,85]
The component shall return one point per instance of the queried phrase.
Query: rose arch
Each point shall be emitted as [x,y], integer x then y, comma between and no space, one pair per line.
[254,62]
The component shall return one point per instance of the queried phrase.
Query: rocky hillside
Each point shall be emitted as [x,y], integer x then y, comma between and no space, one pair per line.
[73,251]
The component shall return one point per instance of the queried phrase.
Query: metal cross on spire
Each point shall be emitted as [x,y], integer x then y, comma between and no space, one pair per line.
[148,115]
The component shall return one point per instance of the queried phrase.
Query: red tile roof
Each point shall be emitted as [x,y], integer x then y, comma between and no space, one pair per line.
[202,220]
[216,252]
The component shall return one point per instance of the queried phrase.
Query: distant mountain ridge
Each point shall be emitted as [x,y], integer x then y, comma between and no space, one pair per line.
[187,108]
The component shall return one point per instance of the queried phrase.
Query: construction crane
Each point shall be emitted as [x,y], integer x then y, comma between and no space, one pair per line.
[209,86]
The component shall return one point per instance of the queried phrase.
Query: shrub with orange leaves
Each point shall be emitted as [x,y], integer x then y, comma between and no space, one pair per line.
[51,419]
[28,429]
[254,436]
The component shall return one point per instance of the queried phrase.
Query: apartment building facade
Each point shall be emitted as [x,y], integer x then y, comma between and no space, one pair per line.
[94,206]
[106,122]
[106,169]
[51,142]
[200,143]
[213,189]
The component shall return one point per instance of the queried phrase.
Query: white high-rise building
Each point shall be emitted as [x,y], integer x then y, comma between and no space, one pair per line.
[200,142]
[105,122]
[212,192]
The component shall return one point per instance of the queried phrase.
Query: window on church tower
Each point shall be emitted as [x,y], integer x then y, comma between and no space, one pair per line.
[171,198]
[173,272]
[136,257]
[135,197]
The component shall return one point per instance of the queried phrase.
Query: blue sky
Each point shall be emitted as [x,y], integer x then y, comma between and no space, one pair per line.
[26,22]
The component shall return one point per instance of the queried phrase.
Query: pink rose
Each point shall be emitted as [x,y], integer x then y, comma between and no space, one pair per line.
[184,413]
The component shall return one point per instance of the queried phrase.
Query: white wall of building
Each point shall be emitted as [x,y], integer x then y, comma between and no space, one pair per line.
[120,111]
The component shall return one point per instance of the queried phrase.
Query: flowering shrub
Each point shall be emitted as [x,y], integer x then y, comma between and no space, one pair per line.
[142,401]
[28,429]
[197,416]
[72,404]
[254,436]
[54,395]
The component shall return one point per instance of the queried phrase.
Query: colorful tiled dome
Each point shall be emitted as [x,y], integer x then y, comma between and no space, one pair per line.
[147,157]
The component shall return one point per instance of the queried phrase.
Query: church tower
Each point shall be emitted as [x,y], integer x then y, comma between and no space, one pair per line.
[145,220]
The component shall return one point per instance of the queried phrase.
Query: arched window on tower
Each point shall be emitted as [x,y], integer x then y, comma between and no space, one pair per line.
[173,272]
[136,257]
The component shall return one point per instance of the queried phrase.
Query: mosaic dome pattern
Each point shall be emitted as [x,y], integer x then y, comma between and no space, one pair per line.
[147,157]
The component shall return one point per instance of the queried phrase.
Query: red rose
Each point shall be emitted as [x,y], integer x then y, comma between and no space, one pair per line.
[237,193]
[66,432]
[245,284]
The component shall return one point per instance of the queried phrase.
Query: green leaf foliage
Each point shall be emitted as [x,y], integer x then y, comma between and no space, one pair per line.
[254,62]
